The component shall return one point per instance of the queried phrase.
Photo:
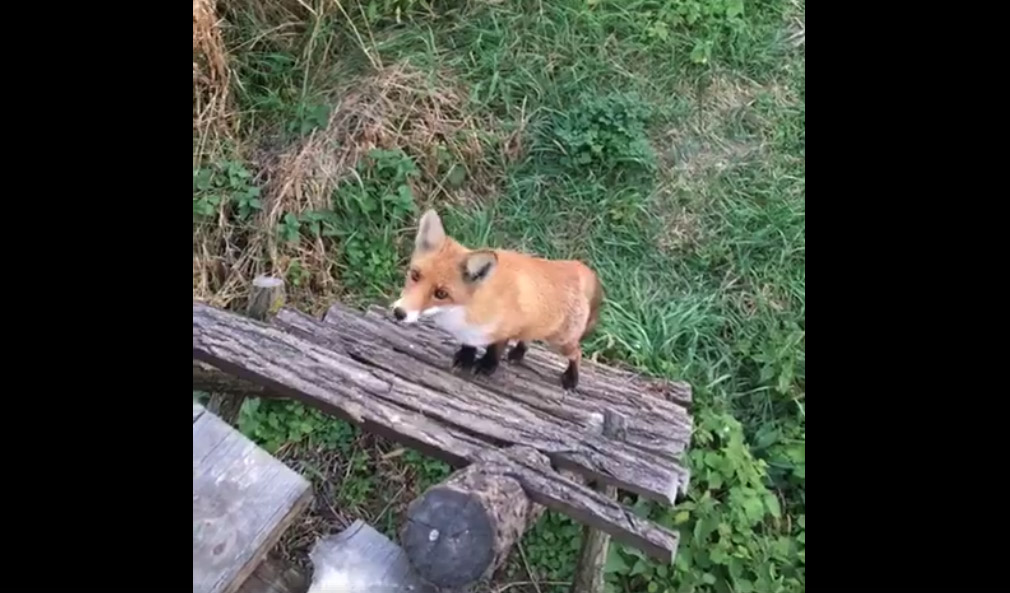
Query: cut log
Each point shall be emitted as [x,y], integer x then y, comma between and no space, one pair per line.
[359,559]
[265,299]
[461,531]
[596,543]
[301,369]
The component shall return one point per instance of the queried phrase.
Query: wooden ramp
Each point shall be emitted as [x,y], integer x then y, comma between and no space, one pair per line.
[243,499]
[396,381]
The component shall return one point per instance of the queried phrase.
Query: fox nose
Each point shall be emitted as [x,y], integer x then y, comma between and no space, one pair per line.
[399,313]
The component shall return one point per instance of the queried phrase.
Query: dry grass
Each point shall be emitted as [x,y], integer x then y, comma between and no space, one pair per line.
[395,107]
[212,122]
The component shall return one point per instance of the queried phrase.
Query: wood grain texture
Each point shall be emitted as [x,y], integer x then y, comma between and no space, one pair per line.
[210,380]
[461,530]
[595,543]
[243,499]
[359,559]
[291,366]
[657,417]
[266,297]
[456,401]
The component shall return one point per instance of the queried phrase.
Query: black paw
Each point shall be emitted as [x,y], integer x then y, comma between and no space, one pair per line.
[517,353]
[464,357]
[487,364]
[570,378]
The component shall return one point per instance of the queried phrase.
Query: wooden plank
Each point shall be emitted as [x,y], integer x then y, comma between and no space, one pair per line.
[294,367]
[456,401]
[243,499]
[359,559]
[629,385]
[657,419]
[198,410]
[210,380]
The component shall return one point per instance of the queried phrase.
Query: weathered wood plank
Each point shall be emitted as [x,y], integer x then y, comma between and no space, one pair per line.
[359,559]
[404,381]
[266,297]
[627,385]
[595,543]
[243,499]
[655,422]
[210,380]
[294,367]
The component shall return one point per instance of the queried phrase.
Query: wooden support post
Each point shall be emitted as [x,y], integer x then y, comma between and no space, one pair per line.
[595,543]
[460,531]
[265,300]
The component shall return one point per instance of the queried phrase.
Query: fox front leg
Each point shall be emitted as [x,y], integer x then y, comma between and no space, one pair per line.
[465,357]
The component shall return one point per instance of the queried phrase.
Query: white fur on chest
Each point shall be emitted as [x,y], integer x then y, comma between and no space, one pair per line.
[452,319]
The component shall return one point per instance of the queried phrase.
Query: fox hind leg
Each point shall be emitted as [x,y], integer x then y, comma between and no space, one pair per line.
[570,378]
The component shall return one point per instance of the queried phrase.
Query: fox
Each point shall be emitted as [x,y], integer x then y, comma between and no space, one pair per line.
[486,298]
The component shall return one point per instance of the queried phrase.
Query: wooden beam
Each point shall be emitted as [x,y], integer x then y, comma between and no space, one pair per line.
[265,299]
[656,423]
[453,400]
[460,531]
[595,543]
[301,369]
[359,559]
[243,500]
[210,380]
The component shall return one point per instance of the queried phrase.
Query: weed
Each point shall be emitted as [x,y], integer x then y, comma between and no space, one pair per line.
[271,423]
[602,133]
[227,186]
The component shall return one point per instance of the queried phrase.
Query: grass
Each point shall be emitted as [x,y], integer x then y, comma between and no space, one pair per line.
[662,141]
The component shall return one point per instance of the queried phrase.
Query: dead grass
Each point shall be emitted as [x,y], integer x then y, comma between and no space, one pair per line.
[212,121]
[396,107]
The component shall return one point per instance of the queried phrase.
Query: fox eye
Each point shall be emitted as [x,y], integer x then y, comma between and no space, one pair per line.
[441,294]
[415,275]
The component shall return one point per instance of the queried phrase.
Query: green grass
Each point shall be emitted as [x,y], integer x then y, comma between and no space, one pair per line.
[661,141]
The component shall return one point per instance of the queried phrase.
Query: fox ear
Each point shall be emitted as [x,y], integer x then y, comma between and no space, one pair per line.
[478,265]
[430,233]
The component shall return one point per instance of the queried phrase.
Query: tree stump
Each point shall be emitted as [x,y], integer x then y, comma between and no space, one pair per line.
[460,531]
[265,300]
[595,543]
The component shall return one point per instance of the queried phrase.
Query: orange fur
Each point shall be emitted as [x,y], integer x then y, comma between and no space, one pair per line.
[520,297]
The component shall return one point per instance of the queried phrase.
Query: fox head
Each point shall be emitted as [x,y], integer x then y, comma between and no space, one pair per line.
[442,274]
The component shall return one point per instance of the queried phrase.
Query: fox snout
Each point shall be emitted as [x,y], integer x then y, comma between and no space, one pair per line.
[402,314]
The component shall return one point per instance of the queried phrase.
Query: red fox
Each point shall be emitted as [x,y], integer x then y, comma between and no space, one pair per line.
[486,297]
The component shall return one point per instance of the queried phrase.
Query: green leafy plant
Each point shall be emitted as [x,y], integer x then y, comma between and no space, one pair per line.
[272,422]
[733,537]
[228,184]
[603,133]
[706,25]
